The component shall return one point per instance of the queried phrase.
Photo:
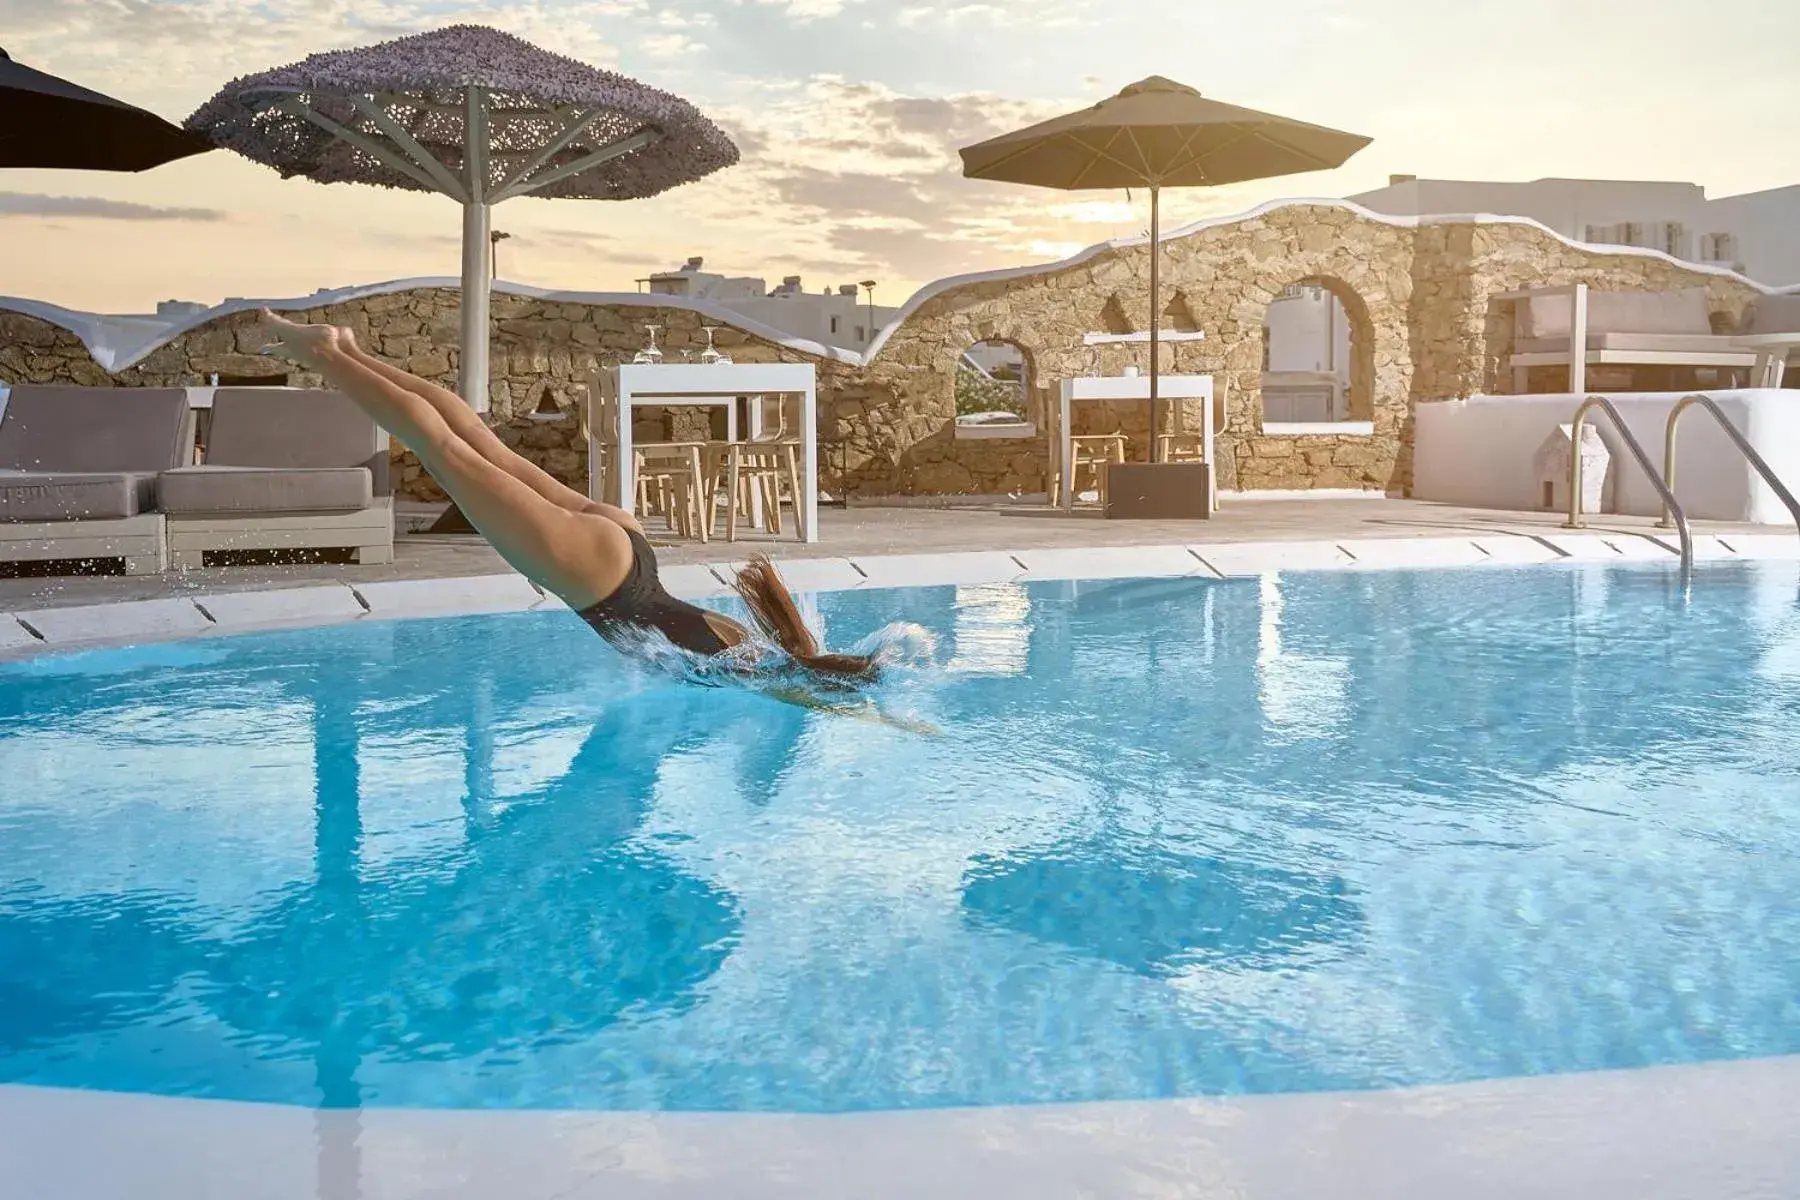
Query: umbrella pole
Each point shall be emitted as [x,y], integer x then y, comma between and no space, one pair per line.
[476,250]
[1155,307]
[474,373]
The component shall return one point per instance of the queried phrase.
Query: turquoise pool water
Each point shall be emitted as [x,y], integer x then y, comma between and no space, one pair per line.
[1180,837]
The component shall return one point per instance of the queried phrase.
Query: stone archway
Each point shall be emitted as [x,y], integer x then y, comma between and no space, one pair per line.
[1318,356]
[996,374]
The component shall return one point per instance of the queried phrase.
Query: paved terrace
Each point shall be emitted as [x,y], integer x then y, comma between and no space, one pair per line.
[869,531]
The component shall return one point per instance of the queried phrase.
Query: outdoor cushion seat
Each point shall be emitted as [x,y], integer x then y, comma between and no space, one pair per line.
[1776,314]
[218,489]
[1676,343]
[78,470]
[95,430]
[1683,311]
[286,469]
[75,495]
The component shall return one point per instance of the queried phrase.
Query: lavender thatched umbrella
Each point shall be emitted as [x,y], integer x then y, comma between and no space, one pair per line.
[477,115]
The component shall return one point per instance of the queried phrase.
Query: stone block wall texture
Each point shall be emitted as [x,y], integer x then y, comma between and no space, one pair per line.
[1426,325]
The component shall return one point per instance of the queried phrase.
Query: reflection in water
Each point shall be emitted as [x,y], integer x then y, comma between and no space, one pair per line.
[1303,695]
[457,960]
[478,863]
[337,808]
[435,958]
[1153,911]
[74,968]
[992,630]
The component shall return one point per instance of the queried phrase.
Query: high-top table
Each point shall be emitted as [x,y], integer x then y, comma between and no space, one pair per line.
[1131,387]
[1772,350]
[630,386]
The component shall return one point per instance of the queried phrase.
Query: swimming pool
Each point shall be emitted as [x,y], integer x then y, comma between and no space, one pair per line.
[1181,838]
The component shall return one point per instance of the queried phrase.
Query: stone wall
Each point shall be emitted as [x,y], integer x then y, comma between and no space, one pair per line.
[1426,325]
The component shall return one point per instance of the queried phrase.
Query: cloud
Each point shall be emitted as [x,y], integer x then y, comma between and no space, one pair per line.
[668,18]
[868,179]
[670,45]
[562,238]
[29,204]
[954,15]
[171,55]
[808,10]
[854,193]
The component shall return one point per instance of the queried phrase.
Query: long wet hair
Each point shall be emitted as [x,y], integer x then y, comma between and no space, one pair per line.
[772,607]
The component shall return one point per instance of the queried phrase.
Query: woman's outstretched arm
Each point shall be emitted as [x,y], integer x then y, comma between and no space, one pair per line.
[863,710]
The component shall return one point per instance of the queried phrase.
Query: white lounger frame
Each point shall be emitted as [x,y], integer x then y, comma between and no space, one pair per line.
[369,532]
[142,541]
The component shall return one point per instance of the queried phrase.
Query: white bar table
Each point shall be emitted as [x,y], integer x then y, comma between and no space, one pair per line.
[1132,387]
[1772,351]
[711,385]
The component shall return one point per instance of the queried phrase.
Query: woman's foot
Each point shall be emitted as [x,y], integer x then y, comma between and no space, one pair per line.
[307,345]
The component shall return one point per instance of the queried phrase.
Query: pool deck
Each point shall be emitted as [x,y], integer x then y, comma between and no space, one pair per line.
[910,533]
[1717,1131]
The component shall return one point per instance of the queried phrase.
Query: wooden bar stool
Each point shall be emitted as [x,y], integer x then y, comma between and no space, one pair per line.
[760,465]
[1090,452]
[761,468]
[1180,447]
[671,481]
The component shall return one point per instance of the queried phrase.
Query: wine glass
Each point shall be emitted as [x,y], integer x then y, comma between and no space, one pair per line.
[650,353]
[718,356]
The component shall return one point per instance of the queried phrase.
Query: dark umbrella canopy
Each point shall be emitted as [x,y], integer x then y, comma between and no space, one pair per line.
[477,115]
[50,123]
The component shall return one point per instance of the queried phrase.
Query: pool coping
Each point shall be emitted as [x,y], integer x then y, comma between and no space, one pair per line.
[44,631]
[1670,1132]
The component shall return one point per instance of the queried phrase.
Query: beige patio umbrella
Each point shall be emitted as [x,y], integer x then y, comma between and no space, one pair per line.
[1155,134]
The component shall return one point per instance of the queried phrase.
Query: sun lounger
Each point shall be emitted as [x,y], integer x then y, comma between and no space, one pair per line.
[285,469]
[1774,336]
[79,469]
[1640,329]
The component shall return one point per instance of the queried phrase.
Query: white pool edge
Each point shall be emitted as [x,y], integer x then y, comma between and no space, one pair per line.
[1719,1131]
[33,632]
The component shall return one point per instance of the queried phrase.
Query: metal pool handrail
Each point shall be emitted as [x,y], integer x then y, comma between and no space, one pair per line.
[1670,504]
[1738,439]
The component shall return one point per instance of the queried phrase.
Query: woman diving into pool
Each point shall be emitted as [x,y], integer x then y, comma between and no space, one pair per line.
[593,556]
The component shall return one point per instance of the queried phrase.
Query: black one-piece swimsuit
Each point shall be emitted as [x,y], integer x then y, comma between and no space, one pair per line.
[641,603]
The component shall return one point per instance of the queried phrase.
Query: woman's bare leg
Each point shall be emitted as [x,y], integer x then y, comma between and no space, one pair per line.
[581,557]
[463,422]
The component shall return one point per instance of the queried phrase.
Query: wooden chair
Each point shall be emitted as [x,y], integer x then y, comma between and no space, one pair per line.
[759,466]
[1180,447]
[672,480]
[1092,452]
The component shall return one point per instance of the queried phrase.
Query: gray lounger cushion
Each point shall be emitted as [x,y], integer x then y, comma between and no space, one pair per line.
[195,491]
[89,453]
[1777,314]
[96,429]
[293,427]
[282,450]
[1549,316]
[73,496]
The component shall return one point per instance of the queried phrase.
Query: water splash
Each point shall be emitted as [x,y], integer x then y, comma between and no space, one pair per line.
[902,645]
[899,649]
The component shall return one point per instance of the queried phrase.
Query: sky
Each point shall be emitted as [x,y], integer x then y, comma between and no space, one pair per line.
[849,114]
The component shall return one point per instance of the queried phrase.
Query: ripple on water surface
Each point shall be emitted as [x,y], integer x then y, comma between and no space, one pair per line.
[1178,837]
